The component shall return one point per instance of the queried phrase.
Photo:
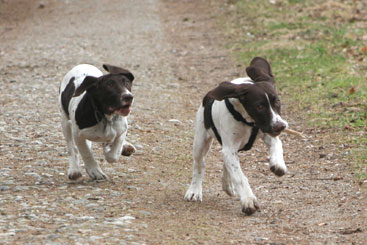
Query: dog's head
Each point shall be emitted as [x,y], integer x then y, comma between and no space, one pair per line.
[259,98]
[112,91]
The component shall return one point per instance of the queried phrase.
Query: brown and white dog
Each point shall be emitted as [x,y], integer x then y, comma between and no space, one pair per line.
[237,113]
[94,107]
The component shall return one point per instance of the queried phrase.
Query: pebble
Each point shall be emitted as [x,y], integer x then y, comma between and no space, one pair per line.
[139,146]
[175,121]
[157,148]
[18,198]
[261,239]
[146,213]
[4,188]
[21,188]
[85,218]
[122,221]
[132,187]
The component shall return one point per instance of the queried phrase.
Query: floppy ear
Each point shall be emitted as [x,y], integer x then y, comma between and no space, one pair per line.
[260,70]
[228,90]
[118,70]
[85,85]
[263,64]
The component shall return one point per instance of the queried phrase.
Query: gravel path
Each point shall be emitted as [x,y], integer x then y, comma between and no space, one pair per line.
[176,53]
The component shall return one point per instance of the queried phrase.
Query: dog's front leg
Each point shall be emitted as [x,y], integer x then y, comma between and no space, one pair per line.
[239,181]
[227,184]
[91,166]
[277,165]
[74,171]
[113,154]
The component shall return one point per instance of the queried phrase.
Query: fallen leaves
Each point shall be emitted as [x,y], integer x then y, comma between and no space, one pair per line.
[352,90]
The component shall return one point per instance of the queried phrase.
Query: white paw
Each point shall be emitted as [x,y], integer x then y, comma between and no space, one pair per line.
[96,173]
[128,149]
[250,205]
[74,174]
[194,194]
[278,167]
[110,157]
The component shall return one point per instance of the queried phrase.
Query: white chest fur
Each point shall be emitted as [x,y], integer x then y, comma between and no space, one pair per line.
[105,130]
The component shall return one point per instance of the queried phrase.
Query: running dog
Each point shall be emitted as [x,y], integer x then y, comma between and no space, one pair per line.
[94,107]
[237,113]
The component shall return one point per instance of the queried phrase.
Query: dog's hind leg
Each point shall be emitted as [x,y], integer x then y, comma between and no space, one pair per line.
[202,143]
[74,171]
[239,180]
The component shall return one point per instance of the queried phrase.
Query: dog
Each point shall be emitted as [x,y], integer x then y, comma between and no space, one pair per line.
[237,113]
[94,107]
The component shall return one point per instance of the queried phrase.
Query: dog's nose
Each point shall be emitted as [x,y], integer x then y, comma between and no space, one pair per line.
[127,98]
[279,127]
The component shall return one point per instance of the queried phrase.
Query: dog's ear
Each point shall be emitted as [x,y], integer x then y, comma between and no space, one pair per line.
[87,83]
[228,90]
[118,70]
[260,70]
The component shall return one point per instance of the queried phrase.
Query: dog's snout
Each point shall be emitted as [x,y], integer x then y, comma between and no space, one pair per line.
[279,127]
[127,98]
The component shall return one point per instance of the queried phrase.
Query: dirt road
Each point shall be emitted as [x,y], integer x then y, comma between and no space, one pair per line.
[176,52]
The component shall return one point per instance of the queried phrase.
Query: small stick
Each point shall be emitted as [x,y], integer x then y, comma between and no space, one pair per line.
[290,131]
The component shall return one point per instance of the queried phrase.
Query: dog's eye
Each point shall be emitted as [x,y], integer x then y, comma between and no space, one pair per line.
[260,107]
[277,103]
[109,83]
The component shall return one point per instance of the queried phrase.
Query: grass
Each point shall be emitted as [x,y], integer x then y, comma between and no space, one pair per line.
[318,53]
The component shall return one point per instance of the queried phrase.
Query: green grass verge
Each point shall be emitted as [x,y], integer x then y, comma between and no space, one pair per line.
[319,57]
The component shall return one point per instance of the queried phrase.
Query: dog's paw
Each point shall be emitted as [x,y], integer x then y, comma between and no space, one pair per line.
[110,157]
[74,174]
[128,149]
[277,166]
[194,194]
[250,206]
[278,170]
[96,173]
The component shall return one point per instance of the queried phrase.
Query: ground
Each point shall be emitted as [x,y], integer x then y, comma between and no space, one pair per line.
[177,52]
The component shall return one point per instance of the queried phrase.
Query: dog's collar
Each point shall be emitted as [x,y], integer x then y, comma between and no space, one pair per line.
[236,114]
[209,118]
[240,118]
[100,116]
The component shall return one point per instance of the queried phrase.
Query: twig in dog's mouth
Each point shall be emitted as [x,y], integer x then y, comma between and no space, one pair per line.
[290,131]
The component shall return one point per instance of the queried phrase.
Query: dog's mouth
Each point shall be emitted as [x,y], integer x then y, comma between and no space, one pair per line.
[276,131]
[122,111]
[274,134]
[270,131]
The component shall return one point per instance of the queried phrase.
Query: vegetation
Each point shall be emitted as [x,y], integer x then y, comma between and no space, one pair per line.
[319,55]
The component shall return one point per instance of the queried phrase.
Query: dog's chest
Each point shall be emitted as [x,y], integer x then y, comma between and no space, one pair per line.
[231,131]
[106,131]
